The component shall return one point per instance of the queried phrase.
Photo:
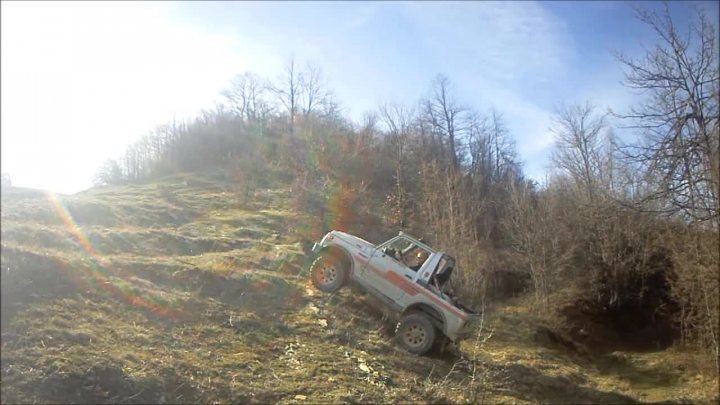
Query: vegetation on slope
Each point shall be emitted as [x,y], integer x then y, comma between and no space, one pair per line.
[185,287]
[130,306]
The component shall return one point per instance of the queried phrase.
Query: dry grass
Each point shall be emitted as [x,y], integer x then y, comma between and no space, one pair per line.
[186,295]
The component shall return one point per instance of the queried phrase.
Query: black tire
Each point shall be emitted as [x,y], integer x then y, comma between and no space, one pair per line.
[416,333]
[328,273]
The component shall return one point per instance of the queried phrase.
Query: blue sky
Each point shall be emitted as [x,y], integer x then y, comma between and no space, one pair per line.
[93,77]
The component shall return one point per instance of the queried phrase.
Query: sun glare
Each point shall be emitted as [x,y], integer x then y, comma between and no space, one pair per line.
[82,80]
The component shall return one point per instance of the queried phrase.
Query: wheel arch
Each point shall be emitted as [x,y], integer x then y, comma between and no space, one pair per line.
[436,316]
[342,254]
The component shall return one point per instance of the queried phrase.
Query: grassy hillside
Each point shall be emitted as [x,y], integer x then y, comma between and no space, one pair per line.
[177,291]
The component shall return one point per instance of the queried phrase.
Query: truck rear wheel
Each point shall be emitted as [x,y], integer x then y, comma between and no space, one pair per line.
[416,333]
[328,273]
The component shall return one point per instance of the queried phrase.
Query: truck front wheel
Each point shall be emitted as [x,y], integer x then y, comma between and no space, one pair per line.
[328,273]
[416,333]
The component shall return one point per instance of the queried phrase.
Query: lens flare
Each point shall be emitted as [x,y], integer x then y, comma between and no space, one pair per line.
[340,215]
[99,269]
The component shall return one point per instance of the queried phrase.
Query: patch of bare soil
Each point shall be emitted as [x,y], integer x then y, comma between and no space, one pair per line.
[638,315]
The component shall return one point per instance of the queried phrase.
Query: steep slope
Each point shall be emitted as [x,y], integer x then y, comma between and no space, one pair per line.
[177,292]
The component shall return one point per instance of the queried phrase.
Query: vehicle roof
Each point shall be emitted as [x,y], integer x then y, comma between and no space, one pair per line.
[422,245]
[417,242]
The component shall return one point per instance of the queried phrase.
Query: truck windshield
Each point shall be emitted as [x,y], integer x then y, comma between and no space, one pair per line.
[407,253]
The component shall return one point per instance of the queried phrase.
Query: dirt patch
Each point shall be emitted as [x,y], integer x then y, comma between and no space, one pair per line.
[502,283]
[636,314]
[545,337]
[101,383]
[532,385]
[262,294]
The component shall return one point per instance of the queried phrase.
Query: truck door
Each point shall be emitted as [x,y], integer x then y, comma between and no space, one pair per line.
[386,271]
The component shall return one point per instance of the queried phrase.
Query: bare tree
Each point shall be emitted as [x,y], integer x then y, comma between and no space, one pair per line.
[579,146]
[314,92]
[131,163]
[303,92]
[493,165]
[679,118]
[109,172]
[247,97]
[502,147]
[288,91]
[536,237]
[680,156]
[399,121]
[448,119]
[397,118]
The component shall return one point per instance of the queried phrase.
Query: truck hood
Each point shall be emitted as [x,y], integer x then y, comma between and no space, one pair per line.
[353,239]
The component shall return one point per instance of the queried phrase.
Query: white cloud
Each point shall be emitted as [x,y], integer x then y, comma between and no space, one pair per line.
[509,50]
[504,41]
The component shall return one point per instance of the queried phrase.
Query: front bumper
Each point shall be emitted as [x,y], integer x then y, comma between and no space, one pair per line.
[470,326]
[318,246]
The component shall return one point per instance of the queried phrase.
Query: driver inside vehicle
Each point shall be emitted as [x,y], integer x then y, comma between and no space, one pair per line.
[418,260]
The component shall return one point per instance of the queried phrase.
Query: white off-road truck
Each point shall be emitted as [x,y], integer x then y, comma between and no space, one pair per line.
[406,275]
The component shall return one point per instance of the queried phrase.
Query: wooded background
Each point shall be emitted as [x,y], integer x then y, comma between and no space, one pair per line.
[621,241]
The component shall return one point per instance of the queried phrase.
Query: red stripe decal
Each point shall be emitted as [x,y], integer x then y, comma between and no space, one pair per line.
[412,289]
[400,281]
